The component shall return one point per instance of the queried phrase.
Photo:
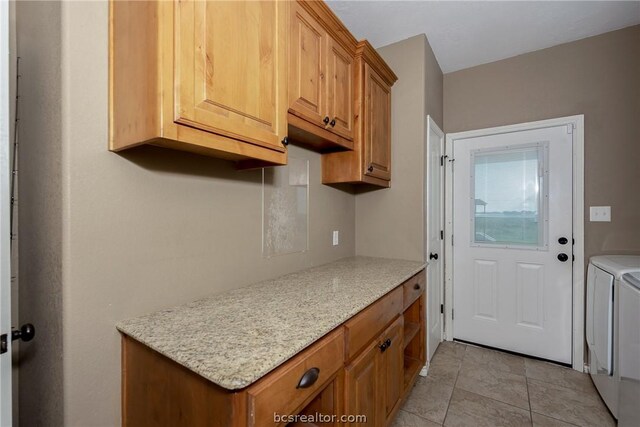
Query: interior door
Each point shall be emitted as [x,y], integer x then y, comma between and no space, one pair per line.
[5,206]
[512,241]
[231,69]
[434,247]
[377,131]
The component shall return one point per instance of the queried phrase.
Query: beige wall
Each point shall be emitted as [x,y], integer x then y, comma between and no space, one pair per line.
[390,222]
[115,236]
[598,77]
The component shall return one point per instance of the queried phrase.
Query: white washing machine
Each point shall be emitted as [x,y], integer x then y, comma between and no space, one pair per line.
[604,277]
[629,351]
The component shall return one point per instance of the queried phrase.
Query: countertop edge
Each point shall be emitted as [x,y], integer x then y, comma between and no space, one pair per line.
[238,384]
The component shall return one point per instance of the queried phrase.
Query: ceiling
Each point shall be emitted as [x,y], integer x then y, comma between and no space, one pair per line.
[463,34]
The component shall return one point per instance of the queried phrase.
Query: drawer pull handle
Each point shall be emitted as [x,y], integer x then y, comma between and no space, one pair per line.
[416,286]
[309,378]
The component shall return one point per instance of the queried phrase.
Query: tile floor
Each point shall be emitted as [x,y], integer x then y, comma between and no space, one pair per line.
[473,387]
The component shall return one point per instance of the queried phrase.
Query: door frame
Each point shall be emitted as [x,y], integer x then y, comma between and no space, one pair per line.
[432,125]
[577,122]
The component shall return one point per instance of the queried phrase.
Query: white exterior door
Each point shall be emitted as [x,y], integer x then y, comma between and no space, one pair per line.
[5,206]
[512,241]
[435,202]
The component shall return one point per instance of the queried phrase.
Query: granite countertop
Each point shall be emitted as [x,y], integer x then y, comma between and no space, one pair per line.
[236,337]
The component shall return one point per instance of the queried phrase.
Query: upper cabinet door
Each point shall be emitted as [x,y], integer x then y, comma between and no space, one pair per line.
[231,69]
[341,90]
[307,59]
[377,125]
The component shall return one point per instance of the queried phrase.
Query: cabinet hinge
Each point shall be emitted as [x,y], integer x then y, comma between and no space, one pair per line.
[441,308]
[441,234]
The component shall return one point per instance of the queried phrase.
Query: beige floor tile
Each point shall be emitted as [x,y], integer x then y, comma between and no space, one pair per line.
[558,375]
[472,410]
[544,421]
[407,419]
[495,359]
[451,349]
[444,368]
[570,405]
[493,383]
[429,399]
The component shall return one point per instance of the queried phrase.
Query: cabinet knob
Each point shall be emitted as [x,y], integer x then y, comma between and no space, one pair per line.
[326,120]
[370,168]
[309,378]
[416,286]
[333,122]
[285,141]
[383,347]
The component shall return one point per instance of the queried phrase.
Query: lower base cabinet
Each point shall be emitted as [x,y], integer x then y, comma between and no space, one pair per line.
[356,375]
[374,380]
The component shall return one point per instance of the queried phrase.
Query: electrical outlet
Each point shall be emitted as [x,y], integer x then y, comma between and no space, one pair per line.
[600,214]
[336,237]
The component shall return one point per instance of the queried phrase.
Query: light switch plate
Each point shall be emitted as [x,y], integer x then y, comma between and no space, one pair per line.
[600,214]
[336,237]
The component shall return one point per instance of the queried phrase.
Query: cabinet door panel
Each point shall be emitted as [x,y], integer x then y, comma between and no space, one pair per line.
[230,69]
[362,387]
[307,83]
[392,366]
[341,98]
[377,127]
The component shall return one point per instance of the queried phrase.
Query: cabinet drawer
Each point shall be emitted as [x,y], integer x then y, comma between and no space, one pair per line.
[413,287]
[279,392]
[367,324]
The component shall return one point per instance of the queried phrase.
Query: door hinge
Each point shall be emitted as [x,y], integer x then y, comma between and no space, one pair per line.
[441,308]
[452,240]
[452,314]
[441,234]
[442,159]
[4,346]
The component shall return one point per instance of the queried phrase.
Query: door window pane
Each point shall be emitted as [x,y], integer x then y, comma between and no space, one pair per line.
[508,196]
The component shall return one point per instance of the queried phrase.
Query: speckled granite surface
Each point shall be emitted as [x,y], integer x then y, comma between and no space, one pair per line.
[236,337]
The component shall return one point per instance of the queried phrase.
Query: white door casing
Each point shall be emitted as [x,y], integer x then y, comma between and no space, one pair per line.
[434,209]
[508,309]
[5,206]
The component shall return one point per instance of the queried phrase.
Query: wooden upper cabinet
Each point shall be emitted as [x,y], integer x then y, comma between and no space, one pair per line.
[370,160]
[307,82]
[377,125]
[230,69]
[340,89]
[208,77]
[321,89]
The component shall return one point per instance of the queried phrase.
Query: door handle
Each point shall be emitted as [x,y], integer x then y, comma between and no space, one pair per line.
[562,257]
[563,240]
[433,256]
